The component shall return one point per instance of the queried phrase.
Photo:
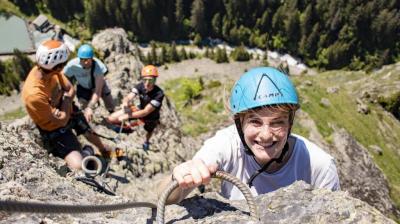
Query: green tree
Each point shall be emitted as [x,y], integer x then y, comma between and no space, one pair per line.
[21,64]
[28,7]
[292,30]
[173,53]
[197,40]
[8,79]
[240,54]
[306,20]
[94,15]
[179,16]
[164,55]
[197,17]
[139,53]
[152,57]
[216,24]
[182,54]
[221,55]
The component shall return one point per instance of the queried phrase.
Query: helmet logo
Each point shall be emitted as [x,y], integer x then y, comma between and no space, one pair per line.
[263,95]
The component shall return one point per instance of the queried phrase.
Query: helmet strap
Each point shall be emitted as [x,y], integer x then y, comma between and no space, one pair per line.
[238,124]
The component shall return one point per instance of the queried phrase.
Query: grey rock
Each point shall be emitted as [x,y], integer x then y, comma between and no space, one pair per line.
[358,173]
[297,203]
[325,102]
[308,83]
[332,90]
[378,150]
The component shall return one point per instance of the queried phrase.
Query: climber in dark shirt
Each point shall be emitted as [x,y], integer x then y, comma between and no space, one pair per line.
[150,96]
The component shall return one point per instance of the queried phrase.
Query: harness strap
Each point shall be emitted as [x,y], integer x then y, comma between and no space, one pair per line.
[92,74]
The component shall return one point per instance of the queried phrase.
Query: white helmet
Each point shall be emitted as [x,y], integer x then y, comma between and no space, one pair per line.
[51,53]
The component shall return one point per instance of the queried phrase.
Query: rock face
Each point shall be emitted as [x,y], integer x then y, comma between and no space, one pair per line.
[297,203]
[358,173]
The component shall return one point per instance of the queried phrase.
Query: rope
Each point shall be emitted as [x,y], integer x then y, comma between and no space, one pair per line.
[219,174]
[33,207]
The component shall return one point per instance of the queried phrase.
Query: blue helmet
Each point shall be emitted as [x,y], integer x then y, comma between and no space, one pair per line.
[85,51]
[262,86]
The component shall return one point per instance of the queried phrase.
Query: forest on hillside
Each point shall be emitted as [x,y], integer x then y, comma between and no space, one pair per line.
[356,34]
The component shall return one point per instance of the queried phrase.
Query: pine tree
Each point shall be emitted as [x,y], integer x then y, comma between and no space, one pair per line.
[207,52]
[21,64]
[197,17]
[240,54]
[139,53]
[197,40]
[153,54]
[217,24]
[179,16]
[183,55]
[164,55]
[173,53]
[221,55]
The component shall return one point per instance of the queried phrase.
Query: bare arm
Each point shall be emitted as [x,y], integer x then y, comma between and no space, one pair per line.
[138,114]
[63,113]
[99,80]
[126,101]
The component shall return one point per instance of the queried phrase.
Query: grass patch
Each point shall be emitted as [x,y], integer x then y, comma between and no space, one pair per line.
[8,7]
[375,128]
[200,103]
[12,115]
[300,130]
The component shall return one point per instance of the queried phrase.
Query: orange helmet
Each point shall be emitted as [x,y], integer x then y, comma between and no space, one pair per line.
[149,71]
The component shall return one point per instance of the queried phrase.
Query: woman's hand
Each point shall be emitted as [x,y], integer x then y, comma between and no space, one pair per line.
[193,173]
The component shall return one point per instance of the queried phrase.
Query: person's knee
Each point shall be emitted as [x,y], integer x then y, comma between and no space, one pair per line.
[74,160]
[114,116]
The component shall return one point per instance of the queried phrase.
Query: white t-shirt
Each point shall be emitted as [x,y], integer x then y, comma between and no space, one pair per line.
[82,75]
[308,162]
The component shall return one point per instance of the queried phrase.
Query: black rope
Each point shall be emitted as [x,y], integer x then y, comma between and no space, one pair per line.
[94,183]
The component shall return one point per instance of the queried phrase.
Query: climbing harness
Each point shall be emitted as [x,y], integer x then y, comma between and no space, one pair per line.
[33,207]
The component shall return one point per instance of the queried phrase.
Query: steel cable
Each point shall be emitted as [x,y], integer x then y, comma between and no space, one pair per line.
[35,207]
[219,174]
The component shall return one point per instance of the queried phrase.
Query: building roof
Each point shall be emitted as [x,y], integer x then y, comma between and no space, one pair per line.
[40,21]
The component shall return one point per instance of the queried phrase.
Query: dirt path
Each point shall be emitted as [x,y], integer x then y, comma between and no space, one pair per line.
[208,67]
